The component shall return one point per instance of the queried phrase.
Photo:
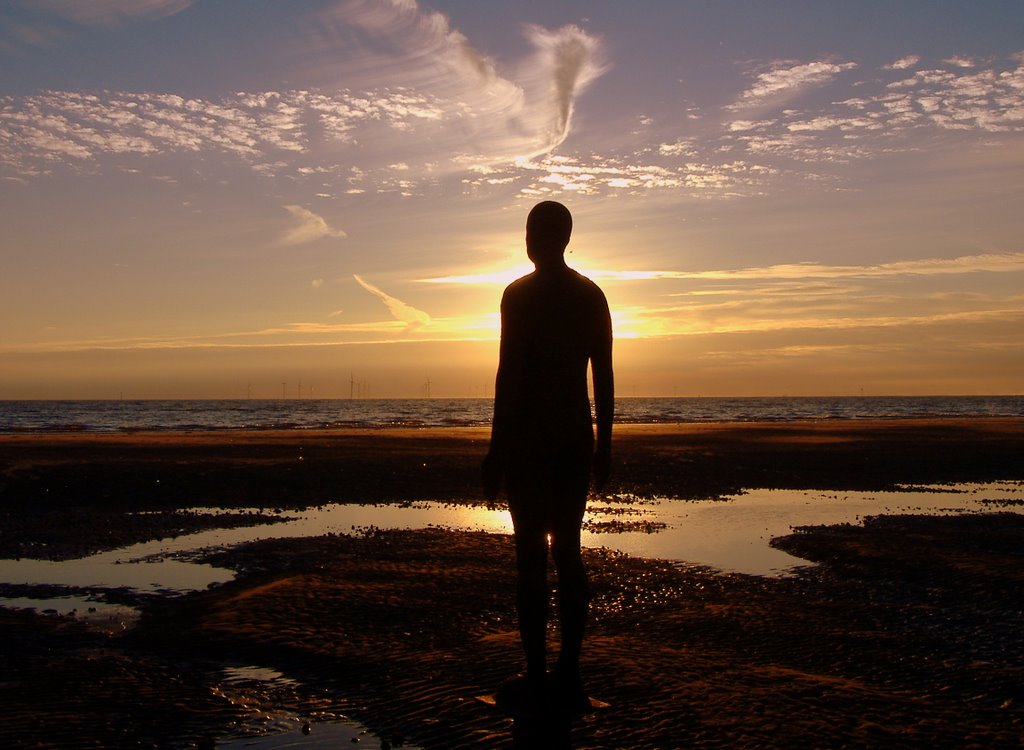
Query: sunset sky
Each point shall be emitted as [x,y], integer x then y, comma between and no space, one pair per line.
[210,198]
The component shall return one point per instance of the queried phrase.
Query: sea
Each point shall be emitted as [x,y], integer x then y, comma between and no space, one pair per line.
[307,414]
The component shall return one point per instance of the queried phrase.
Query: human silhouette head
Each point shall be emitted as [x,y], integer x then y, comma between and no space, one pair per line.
[548,228]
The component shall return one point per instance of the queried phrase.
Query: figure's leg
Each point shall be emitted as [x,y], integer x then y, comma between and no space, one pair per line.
[573,587]
[571,487]
[531,587]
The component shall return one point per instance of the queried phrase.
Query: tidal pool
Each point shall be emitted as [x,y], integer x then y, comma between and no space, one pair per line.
[730,534]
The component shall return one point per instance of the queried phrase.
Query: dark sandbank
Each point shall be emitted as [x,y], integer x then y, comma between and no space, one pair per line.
[906,635]
[874,648]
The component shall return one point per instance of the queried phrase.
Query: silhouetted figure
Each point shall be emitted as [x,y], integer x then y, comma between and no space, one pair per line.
[554,323]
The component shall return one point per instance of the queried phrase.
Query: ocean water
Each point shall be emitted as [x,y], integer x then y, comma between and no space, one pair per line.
[301,414]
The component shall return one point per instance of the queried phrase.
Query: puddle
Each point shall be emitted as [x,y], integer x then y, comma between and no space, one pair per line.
[730,534]
[97,615]
[733,534]
[321,735]
[322,727]
[332,734]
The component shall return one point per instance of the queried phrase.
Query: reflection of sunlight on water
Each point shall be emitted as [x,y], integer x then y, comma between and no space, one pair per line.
[730,534]
[733,534]
[497,521]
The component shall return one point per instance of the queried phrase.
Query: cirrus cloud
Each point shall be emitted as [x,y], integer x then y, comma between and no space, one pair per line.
[566,62]
[987,262]
[786,80]
[412,317]
[908,61]
[109,13]
[310,227]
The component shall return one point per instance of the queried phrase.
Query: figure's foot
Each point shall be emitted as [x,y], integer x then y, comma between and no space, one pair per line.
[522,694]
[566,692]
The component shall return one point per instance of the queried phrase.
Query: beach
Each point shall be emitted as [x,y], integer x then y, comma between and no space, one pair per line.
[905,633]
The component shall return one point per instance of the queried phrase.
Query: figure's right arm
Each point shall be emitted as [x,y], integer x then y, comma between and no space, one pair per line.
[494,463]
[503,385]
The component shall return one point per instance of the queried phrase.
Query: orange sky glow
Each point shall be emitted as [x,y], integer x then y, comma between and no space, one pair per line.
[812,199]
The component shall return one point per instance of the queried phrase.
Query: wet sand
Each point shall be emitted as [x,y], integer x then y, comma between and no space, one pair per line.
[905,635]
[46,479]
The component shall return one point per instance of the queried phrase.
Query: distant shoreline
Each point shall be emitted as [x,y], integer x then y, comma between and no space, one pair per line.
[855,424]
[442,399]
[175,415]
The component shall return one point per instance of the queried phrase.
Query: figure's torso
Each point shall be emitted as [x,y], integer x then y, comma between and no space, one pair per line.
[554,321]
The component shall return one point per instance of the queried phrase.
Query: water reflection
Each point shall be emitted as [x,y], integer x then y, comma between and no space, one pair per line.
[730,534]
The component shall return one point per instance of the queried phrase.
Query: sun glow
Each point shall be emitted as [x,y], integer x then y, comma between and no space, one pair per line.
[499,276]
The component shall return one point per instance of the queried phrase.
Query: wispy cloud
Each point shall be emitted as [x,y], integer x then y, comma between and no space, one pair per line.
[750,321]
[414,79]
[785,80]
[109,13]
[310,227]
[901,117]
[418,80]
[792,312]
[903,63]
[40,132]
[497,277]
[753,155]
[989,262]
[960,61]
[400,43]
[412,317]
[598,174]
[759,304]
[566,61]
[525,110]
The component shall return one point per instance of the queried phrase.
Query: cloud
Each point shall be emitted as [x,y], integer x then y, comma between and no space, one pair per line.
[437,89]
[988,262]
[786,80]
[903,63]
[407,314]
[397,43]
[310,227]
[757,303]
[410,79]
[567,60]
[681,147]
[109,13]
[271,130]
[695,177]
[497,115]
[895,119]
[389,44]
[960,61]
[423,104]
[989,99]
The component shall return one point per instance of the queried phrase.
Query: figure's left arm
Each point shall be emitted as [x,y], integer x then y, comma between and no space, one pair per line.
[604,394]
